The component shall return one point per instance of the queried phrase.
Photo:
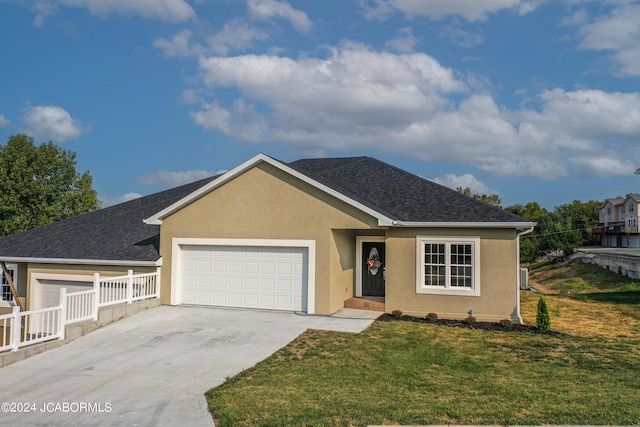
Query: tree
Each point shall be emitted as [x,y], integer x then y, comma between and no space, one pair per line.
[492,199]
[40,185]
[531,211]
[580,216]
[543,320]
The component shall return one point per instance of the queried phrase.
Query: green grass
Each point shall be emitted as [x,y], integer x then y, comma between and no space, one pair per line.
[407,373]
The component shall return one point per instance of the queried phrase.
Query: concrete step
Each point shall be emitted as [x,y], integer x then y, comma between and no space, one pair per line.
[365,303]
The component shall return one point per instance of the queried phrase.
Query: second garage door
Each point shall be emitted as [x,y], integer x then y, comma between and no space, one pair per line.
[239,276]
[50,290]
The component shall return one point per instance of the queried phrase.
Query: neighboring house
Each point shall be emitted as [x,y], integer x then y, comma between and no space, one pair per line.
[302,236]
[619,219]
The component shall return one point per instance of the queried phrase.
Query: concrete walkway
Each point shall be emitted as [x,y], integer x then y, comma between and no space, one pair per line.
[151,369]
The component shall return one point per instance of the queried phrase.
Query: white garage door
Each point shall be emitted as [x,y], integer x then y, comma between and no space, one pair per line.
[50,290]
[239,276]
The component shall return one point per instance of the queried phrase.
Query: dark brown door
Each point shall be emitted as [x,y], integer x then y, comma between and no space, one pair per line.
[373,269]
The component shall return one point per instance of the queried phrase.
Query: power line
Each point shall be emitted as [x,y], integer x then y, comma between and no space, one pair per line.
[555,232]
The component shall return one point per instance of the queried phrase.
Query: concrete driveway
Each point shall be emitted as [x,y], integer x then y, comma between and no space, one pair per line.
[151,369]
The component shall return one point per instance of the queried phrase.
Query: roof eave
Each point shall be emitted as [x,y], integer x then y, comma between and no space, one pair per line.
[516,225]
[71,261]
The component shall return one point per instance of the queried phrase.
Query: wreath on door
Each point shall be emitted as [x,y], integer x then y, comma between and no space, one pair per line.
[373,262]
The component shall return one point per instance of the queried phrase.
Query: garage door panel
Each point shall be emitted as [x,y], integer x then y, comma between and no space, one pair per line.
[252,277]
[267,284]
[251,284]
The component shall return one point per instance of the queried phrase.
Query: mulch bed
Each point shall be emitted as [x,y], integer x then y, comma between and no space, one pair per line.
[485,326]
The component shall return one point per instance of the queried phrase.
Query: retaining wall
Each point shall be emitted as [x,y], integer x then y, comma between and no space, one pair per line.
[625,265]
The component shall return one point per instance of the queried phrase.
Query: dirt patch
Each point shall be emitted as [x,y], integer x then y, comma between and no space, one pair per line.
[484,326]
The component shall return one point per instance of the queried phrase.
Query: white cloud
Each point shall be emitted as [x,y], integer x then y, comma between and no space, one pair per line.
[110,201]
[267,9]
[405,42]
[464,181]
[42,10]
[461,37]
[409,104]
[471,10]
[604,166]
[171,179]
[235,35]
[353,87]
[52,123]
[162,10]
[617,33]
[176,46]
[4,121]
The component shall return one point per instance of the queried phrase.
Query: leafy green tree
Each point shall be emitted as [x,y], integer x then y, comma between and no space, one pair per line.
[529,250]
[580,216]
[492,199]
[564,229]
[532,246]
[40,185]
[531,211]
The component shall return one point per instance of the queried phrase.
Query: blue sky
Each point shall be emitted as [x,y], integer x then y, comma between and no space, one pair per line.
[534,100]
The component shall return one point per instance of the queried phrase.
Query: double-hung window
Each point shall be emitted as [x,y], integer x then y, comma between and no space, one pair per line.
[448,265]
[7,295]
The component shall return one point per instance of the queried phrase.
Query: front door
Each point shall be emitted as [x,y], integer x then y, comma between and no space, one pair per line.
[373,269]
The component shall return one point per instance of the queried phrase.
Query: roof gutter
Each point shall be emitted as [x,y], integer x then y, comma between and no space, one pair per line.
[71,261]
[527,231]
[465,224]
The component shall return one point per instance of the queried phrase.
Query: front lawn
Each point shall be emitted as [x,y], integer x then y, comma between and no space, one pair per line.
[410,373]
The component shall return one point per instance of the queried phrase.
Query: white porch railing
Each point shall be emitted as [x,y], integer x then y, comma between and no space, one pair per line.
[23,328]
[20,329]
[129,288]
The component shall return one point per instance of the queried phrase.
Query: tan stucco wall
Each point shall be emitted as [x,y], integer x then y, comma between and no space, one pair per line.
[343,250]
[265,203]
[498,276]
[76,270]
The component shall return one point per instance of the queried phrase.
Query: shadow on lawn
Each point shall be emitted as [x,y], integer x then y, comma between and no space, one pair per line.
[631,298]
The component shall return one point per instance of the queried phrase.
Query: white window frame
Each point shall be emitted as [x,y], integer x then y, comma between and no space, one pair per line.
[8,302]
[421,288]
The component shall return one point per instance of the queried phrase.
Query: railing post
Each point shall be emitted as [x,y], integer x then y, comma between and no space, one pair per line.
[129,286]
[16,328]
[62,322]
[157,293]
[96,295]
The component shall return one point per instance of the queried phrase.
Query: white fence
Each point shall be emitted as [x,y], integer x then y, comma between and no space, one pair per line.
[20,329]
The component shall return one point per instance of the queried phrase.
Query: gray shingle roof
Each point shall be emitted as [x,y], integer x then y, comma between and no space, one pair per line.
[118,233]
[398,194]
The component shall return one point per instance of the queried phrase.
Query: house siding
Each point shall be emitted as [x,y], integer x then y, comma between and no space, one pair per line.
[266,203]
[498,276]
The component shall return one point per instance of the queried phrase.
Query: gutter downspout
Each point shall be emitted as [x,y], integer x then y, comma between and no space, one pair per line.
[522,233]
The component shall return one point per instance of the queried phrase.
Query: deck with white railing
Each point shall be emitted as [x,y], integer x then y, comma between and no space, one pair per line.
[23,328]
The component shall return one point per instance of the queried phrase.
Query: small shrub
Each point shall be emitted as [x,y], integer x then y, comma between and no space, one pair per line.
[506,323]
[543,321]
[431,317]
[470,319]
[397,313]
